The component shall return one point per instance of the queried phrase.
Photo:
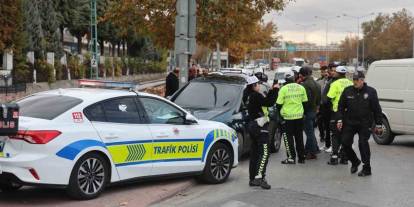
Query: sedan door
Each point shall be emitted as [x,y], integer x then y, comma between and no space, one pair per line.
[127,138]
[177,146]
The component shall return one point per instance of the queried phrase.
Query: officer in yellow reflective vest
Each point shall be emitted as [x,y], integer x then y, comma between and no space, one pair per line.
[258,129]
[292,103]
[334,95]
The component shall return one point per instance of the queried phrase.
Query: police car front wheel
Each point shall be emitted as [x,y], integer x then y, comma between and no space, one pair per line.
[89,177]
[218,164]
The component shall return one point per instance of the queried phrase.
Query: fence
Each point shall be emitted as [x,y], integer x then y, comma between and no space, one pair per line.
[13,88]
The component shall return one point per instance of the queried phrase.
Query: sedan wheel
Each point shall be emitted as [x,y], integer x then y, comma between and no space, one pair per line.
[89,177]
[218,164]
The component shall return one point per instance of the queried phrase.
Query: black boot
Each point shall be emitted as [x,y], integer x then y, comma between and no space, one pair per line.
[343,161]
[366,171]
[260,182]
[288,161]
[354,167]
[333,160]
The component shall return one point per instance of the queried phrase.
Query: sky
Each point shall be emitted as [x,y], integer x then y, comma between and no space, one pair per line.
[303,12]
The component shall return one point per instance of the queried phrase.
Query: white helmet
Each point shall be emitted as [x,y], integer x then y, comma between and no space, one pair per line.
[296,69]
[252,80]
[289,75]
[341,69]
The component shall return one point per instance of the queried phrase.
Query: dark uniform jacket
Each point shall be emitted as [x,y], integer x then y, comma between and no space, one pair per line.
[171,84]
[256,101]
[360,106]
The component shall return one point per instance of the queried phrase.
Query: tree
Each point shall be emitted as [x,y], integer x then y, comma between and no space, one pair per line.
[9,25]
[50,26]
[33,27]
[226,22]
[389,36]
[79,23]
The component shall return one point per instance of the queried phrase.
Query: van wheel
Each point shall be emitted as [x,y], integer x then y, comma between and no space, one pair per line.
[387,137]
[89,177]
[218,166]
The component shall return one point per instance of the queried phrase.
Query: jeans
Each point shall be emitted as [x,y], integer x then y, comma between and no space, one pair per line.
[311,145]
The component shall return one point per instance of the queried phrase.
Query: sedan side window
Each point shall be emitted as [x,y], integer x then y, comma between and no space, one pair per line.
[161,112]
[122,110]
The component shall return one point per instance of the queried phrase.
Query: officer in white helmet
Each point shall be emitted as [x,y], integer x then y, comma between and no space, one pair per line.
[334,94]
[257,105]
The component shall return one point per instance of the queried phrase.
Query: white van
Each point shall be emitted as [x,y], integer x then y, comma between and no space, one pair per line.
[394,82]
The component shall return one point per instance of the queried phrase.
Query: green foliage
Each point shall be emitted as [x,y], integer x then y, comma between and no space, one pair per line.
[21,73]
[44,71]
[389,36]
[77,69]
[59,71]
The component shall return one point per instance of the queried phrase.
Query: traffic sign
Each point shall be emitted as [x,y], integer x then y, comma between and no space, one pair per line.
[291,48]
[94,64]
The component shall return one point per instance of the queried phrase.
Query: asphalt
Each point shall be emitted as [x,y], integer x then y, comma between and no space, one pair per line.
[315,183]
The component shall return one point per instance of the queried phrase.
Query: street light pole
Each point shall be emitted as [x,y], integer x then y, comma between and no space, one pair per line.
[304,35]
[326,35]
[358,18]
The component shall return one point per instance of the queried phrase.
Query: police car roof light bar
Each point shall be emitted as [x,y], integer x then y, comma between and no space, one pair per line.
[108,84]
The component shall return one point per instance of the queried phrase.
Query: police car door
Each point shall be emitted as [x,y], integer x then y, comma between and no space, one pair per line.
[125,135]
[177,146]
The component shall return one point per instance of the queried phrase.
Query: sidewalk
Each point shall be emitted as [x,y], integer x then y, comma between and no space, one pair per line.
[126,195]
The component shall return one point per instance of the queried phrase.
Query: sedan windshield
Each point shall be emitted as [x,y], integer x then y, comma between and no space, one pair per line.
[204,95]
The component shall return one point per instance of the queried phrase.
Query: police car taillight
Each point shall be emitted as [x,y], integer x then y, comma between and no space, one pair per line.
[36,136]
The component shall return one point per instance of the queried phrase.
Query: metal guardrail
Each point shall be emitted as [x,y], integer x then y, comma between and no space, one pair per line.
[13,88]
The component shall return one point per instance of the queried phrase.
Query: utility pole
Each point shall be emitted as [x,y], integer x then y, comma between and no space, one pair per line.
[326,35]
[413,42]
[185,33]
[358,21]
[94,42]
[304,35]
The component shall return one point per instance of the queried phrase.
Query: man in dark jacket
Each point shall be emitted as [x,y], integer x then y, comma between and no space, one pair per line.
[313,92]
[171,83]
[359,108]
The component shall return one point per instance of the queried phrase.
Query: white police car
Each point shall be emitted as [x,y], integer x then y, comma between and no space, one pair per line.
[84,139]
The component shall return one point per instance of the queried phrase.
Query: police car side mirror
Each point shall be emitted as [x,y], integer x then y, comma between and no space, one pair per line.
[190,119]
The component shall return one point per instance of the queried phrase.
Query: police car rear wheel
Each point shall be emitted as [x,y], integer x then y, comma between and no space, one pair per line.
[89,177]
[387,137]
[218,164]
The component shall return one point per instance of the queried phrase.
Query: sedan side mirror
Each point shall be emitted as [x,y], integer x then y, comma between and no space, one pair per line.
[190,119]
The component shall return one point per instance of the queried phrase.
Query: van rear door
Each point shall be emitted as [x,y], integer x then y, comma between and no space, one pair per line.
[390,82]
[409,102]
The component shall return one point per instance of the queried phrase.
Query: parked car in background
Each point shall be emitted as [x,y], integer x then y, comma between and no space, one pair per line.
[220,98]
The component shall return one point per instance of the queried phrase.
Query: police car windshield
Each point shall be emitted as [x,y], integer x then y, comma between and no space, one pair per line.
[208,95]
[46,106]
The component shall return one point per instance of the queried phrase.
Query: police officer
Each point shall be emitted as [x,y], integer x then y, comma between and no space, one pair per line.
[258,130]
[359,108]
[334,94]
[291,102]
